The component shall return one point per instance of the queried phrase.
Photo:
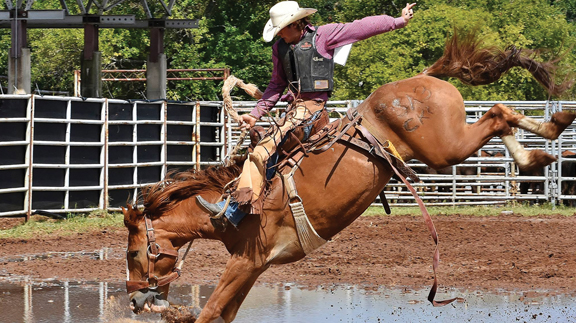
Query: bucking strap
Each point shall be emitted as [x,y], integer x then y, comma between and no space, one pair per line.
[399,164]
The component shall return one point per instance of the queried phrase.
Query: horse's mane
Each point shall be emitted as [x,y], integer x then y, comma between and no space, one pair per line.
[177,186]
[466,59]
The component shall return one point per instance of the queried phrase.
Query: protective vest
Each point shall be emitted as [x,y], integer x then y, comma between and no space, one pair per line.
[305,68]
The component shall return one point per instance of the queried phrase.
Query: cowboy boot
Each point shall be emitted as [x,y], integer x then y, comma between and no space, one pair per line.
[216,213]
[212,208]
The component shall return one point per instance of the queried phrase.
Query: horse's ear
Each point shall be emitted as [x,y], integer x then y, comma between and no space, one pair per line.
[131,216]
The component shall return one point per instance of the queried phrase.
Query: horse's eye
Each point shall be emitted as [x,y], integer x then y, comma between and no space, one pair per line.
[133,254]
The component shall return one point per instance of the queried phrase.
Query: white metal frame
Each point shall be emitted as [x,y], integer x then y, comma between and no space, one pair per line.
[450,188]
[138,126]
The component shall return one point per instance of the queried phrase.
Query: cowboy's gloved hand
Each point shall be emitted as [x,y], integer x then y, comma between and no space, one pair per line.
[407,12]
[247,122]
[288,97]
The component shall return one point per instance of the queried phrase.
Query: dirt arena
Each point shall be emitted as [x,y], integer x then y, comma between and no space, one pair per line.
[509,252]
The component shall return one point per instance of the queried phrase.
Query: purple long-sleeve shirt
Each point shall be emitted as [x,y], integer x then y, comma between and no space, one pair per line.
[328,38]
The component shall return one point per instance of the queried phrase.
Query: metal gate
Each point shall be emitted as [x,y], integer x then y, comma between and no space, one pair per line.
[66,154]
[73,155]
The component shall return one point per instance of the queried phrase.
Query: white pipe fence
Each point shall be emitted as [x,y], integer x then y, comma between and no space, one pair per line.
[65,154]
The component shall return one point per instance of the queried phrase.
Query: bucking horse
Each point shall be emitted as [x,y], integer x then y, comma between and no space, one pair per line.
[312,197]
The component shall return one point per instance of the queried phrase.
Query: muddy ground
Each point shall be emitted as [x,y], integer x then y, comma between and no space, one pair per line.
[509,252]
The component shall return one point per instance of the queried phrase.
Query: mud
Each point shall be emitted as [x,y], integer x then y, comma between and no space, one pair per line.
[505,252]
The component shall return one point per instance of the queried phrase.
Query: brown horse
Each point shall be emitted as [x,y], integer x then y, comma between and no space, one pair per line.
[422,116]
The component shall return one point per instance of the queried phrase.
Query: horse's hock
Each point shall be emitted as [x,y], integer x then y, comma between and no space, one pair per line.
[61,154]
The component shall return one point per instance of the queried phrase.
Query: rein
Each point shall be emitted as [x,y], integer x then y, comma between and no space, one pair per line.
[153,252]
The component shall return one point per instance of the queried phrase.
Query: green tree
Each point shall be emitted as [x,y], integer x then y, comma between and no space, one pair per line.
[230,35]
[406,52]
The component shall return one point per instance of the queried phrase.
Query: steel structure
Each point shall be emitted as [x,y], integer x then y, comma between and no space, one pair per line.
[98,7]
[89,12]
[88,15]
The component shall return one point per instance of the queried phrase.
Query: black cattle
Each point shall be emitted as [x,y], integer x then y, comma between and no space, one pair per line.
[569,170]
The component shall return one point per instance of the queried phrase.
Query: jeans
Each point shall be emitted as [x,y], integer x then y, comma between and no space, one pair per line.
[233,213]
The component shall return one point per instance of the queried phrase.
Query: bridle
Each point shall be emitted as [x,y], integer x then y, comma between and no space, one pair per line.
[153,252]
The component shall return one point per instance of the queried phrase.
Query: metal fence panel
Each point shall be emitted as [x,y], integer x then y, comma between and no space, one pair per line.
[66,154]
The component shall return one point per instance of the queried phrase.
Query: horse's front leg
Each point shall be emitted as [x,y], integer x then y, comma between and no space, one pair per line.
[230,311]
[235,283]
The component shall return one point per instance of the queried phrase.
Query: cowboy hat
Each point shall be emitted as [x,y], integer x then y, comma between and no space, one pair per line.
[281,15]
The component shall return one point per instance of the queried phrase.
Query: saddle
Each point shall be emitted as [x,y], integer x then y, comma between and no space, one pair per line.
[351,131]
[322,135]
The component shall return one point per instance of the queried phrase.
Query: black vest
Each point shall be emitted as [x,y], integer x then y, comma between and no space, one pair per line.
[304,65]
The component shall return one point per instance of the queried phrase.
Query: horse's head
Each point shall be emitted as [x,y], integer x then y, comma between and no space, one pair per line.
[150,262]
[170,219]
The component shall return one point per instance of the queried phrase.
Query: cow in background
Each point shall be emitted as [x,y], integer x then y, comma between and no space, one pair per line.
[567,188]
[569,170]
[533,187]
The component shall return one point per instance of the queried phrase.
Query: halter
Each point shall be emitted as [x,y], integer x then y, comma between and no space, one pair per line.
[153,252]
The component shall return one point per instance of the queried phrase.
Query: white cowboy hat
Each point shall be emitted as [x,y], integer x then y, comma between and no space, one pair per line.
[281,15]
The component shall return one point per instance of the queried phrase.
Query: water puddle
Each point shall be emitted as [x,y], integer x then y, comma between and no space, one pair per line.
[54,301]
[101,254]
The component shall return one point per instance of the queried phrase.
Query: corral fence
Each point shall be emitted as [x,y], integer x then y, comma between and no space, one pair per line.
[70,154]
[490,176]
[67,154]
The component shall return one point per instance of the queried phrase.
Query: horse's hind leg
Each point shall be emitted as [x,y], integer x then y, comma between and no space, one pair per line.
[550,129]
[527,160]
[534,159]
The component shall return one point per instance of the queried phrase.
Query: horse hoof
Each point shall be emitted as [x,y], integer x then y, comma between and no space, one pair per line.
[538,159]
[561,120]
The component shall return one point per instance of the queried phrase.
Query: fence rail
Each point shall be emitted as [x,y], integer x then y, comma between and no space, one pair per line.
[66,154]
[490,176]
[73,155]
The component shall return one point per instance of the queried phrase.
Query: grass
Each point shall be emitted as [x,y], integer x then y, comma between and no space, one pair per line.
[39,226]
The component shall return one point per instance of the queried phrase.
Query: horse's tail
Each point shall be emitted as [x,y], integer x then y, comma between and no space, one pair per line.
[465,59]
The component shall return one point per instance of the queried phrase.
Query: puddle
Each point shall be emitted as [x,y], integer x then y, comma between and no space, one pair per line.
[101,254]
[107,302]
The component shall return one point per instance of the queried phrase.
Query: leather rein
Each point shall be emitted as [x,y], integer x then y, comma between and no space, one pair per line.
[153,252]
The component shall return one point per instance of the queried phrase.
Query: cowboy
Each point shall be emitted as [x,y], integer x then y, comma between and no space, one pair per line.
[303,61]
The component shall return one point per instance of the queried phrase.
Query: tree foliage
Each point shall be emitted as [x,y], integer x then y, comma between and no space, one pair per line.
[230,35]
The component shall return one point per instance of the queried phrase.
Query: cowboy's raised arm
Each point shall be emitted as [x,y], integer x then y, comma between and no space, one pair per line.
[335,35]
